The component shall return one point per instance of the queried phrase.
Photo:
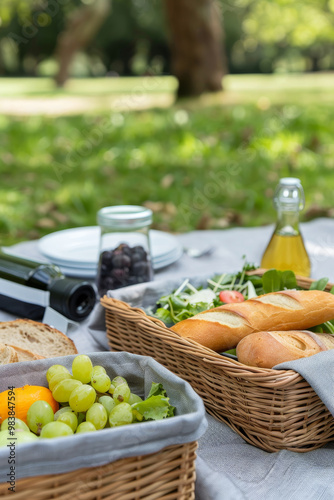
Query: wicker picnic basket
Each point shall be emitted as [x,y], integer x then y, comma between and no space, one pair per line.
[163,468]
[166,475]
[271,409]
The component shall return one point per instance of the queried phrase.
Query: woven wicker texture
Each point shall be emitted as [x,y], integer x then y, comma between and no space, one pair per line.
[166,475]
[271,409]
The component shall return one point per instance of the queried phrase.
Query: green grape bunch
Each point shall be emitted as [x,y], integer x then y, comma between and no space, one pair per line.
[90,400]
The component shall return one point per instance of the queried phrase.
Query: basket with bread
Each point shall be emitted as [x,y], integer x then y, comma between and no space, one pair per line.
[270,408]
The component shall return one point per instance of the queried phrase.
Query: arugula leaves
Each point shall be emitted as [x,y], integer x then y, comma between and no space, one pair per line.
[274,281]
[178,311]
[320,284]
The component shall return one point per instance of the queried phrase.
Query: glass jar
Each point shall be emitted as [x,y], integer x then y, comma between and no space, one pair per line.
[286,249]
[125,257]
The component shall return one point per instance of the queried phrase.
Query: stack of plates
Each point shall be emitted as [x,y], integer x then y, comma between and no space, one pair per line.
[76,251]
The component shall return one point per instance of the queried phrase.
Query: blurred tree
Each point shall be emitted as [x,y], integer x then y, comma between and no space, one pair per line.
[196,42]
[81,28]
[133,38]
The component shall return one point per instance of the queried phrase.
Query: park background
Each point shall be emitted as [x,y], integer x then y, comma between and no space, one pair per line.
[194,108]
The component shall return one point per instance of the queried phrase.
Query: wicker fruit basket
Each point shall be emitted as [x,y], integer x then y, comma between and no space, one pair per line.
[271,409]
[133,478]
[152,461]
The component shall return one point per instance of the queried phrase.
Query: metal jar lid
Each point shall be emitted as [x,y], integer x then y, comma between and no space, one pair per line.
[124,217]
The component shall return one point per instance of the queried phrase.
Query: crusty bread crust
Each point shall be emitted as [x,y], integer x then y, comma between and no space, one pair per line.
[25,355]
[7,355]
[38,338]
[267,349]
[223,327]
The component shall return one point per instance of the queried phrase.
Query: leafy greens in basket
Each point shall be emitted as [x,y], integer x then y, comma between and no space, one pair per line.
[186,301]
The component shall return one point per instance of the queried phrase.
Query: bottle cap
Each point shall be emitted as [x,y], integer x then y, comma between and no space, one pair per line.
[289,194]
[124,217]
[74,299]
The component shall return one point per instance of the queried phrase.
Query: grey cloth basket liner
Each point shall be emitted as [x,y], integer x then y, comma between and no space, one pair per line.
[144,295]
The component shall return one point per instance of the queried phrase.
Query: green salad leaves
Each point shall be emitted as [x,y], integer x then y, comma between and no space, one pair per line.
[156,406]
[186,301]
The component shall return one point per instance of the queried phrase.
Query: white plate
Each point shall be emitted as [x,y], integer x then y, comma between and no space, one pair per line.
[76,250]
[77,272]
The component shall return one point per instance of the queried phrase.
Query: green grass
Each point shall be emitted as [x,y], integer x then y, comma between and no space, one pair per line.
[103,93]
[207,163]
[278,83]
[35,87]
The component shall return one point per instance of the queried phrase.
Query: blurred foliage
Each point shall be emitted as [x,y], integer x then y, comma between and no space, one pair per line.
[132,38]
[196,167]
[261,36]
[286,35]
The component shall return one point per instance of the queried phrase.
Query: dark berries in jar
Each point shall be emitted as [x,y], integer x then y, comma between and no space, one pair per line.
[123,266]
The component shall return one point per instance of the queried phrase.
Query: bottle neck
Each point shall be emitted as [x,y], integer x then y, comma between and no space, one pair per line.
[287,222]
[27,272]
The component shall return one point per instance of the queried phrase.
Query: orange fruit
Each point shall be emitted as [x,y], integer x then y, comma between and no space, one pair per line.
[16,403]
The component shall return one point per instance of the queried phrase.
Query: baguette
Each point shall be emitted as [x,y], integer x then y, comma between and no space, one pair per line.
[267,349]
[38,338]
[223,327]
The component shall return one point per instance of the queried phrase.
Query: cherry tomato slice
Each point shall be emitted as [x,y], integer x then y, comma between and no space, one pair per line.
[229,296]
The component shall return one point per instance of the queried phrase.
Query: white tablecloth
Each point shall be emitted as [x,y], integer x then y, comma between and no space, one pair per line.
[227,467]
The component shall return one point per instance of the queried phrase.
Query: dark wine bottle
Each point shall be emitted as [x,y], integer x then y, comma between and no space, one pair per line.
[28,287]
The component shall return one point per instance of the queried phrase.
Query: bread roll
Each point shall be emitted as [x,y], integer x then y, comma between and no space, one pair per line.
[223,327]
[267,349]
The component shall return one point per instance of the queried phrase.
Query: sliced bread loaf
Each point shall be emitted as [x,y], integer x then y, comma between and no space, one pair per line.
[7,355]
[25,355]
[14,354]
[38,338]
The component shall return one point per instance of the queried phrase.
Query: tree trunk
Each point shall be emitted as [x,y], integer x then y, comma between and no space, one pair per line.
[197,45]
[80,30]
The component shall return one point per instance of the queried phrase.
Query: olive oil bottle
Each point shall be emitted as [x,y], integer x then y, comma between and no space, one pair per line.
[286,249]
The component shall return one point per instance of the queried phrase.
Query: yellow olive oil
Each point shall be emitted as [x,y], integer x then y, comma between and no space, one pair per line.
[287,252]
[286,249]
